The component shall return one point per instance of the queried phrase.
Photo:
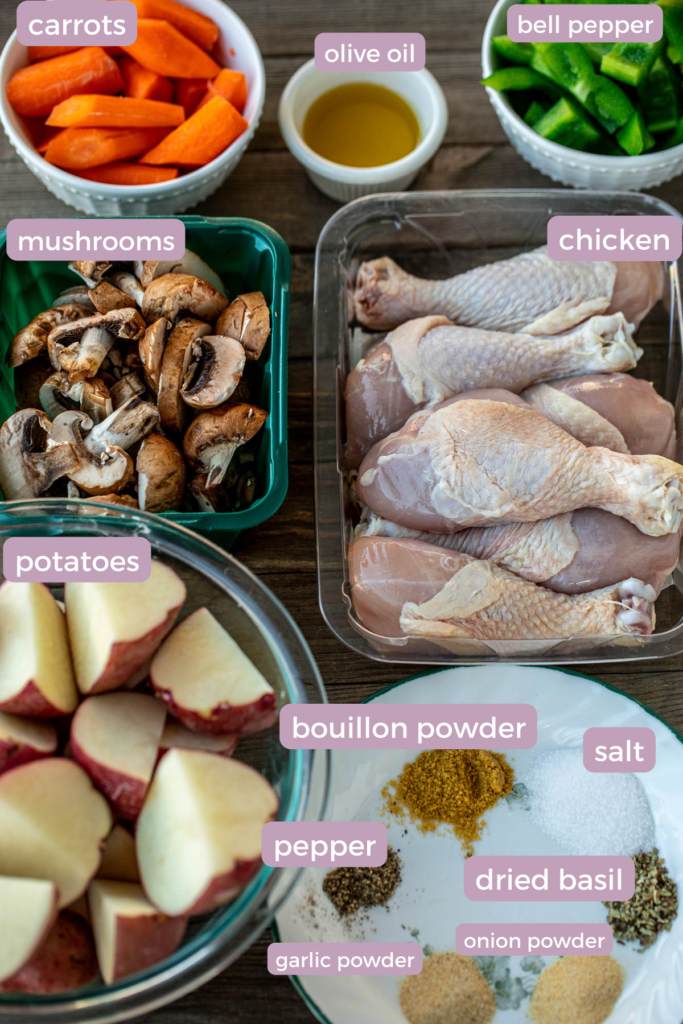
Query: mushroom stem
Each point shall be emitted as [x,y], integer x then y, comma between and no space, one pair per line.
[128,424]
[218,462]
[29,462]
[127,283]
[94,345]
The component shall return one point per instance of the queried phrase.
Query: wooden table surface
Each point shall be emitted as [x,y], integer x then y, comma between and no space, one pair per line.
[271,186]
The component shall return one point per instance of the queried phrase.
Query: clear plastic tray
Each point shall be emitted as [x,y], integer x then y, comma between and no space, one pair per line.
[439,234]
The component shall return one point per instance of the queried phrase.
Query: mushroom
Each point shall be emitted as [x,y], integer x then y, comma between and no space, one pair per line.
[95,336]
[247,319]
[105,473]
[127,500]
[79,293]
[172,295]
[214,373]
[92,271]
[161,475]
[214,437]
[128,283]
[174,366]
[32,339]
[91,396]
[190,263]
[29,461]
[206,500]
[105,296]
[52,397]
[152,345]
[128,424]
[244,490]
[28,380]
[128,387]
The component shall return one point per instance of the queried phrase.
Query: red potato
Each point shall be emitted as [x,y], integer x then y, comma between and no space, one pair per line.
[115,627]
[53,824]
[207,681]
[80,907]
[198,838]
[176,735]
[119,862]
[115,737]
[23,740]
[36,677]
[28,908]
[130,933]
[65,961]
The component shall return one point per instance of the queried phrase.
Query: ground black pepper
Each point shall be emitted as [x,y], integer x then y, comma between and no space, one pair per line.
[351,889]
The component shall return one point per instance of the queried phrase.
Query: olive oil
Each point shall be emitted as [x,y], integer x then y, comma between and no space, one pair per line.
[361,125]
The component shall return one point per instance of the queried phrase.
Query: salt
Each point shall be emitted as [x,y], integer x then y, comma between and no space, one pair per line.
[589,813]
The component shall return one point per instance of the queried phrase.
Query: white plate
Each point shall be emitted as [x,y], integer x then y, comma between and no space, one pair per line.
[430,901]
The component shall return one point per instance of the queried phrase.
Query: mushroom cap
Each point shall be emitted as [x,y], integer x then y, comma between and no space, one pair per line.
[214,373]
[28,465]
[161,475]
[31,340]
[232,424]
[122,323]
[247,319]
[106,473]
[105,296]
[176,360]
[92,271]
[189,264]
[152,345]
[79,293]
[173,294]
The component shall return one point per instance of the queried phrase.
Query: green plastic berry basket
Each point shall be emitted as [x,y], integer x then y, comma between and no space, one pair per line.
[249,256]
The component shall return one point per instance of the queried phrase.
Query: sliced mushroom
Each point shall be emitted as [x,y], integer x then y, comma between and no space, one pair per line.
[128,424]
[128,387]
[161,475]
[127,283]
[174,366]
[152,345]
[92,271]
[247,319]
[28,380]
[106,473]
[214,437]
[105,296]
[79,293]
[72,491]
[172,295]
[93,398]
[95,336]
[214,372]
[127,500]
[206,500]
[189,264]
[52,394]
[30,462]
[32,339]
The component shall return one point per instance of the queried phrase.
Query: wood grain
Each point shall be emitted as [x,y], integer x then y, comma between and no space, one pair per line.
[270,186]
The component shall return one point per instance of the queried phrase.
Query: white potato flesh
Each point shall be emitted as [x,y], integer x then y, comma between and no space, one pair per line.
[28,908]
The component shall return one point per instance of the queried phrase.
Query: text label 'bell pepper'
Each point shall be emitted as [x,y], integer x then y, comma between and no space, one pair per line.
[591,23]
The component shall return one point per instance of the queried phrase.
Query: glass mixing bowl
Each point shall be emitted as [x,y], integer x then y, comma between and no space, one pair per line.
[267,634]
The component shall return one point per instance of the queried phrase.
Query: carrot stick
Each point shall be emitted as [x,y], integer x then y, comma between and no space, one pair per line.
[231,85]
[188,92]
[201,138]
[129,174]
[197,27]
[115,112]
[35,90]
[160,47]
[50,134]
[78,149]
[142,84]
[36,53]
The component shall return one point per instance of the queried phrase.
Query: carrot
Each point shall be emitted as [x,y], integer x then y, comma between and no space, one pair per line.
[201,138]
[231,85]
[113,51]
[189,91]
[36,53]
[35,90]
[78,149]
[129,174]
[160,47]
[197,27]
[35,129]
[115,112]
[50,134]
[142,84]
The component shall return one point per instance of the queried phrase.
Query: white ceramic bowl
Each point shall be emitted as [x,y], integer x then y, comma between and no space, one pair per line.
[418,88]
[237,48]
[582,170]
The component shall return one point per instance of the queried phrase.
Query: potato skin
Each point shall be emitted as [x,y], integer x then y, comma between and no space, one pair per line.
[65,961]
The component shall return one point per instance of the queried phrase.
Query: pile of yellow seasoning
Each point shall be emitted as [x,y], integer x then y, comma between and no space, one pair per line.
[450,787]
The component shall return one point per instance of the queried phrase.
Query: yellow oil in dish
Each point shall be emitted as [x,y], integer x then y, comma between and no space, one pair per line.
[361,125]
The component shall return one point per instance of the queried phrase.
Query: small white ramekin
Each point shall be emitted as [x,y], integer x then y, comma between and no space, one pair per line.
[237,49]
[582,170]
[418,88]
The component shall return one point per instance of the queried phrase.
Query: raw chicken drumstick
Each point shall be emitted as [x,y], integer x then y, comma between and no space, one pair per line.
[408,588]
[612,410]
[571,553]
[530,292]
[426,361]
[475,463]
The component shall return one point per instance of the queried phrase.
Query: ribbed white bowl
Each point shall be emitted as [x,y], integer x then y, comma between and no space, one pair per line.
[237,48]
[582,170]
